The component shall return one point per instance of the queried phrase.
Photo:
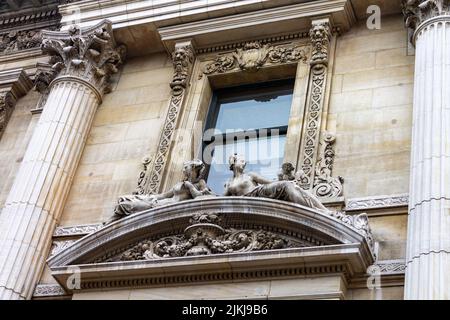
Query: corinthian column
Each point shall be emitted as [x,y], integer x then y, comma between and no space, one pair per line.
[83,61]
[428,243]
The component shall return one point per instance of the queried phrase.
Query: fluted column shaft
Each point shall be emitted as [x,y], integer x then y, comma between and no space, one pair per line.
[42,184]
[82,63]
[428,243]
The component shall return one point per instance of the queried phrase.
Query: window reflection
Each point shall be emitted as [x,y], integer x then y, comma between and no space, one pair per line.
[251,121]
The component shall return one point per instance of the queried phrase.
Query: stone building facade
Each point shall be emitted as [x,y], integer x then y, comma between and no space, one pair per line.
[105,98]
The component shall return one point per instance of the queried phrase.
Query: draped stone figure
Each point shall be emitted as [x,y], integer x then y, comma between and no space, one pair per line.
[192,186]
[253,185]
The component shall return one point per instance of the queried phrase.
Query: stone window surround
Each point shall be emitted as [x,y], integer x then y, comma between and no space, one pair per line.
[198,98]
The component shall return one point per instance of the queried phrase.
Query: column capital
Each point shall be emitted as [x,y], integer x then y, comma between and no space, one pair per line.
[416,12]
[320,35]
[90,55]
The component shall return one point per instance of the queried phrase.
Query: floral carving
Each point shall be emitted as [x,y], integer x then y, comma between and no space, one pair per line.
[253,55]
[205,236]
[325,185]
[19,40]
[90,54]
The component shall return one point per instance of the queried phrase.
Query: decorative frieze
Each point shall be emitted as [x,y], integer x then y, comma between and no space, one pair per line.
[19,40]
[253,55]
[48,290]
[377,202]
[388,267]
[77,230]
[183,59]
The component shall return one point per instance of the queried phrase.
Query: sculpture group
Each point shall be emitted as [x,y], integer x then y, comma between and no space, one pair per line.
[241,184]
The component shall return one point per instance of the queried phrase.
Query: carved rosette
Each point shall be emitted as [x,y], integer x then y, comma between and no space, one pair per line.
[6,107]
[206,236]
[183,58]
[90,55]
[325,185]
[418,11]
[320,35]
[254,55]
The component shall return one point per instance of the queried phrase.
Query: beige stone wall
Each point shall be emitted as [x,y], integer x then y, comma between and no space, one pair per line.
[14,141]
[371,109]
[126,128]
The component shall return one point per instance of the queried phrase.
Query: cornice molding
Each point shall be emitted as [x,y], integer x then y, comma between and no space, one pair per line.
[340,13]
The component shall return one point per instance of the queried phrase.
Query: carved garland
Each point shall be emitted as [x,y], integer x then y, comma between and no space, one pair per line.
[253,55]
[90,54]
[150,180]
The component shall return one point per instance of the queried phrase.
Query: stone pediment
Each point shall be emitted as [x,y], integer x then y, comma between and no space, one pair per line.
[217,238]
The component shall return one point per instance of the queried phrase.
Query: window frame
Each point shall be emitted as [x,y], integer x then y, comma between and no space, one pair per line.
[239,93]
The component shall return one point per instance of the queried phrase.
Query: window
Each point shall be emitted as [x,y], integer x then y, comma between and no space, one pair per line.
[248,120]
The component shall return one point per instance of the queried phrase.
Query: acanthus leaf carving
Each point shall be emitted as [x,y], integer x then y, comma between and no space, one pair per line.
[253,55]
[418,11]
[91,55]
[15,41]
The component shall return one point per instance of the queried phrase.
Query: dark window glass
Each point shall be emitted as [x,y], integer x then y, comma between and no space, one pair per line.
[249,120]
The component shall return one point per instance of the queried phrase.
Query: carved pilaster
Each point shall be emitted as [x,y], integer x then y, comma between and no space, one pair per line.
[90,55]
[183,59]
[320,35]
